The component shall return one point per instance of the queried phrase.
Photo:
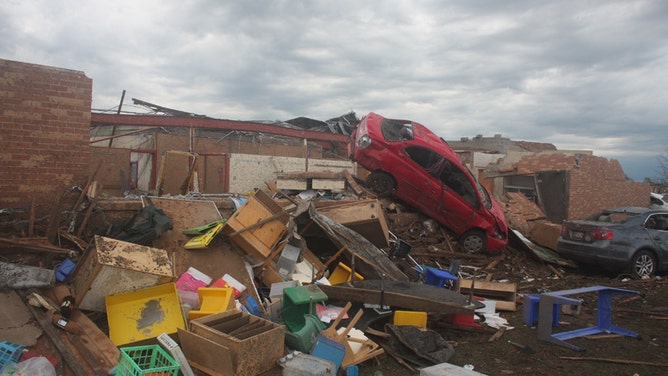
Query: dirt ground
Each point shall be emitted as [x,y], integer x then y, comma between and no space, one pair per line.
[646,314]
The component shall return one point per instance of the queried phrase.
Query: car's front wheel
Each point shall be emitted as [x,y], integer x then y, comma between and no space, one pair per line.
[380,183]
[473,241]
[643,264]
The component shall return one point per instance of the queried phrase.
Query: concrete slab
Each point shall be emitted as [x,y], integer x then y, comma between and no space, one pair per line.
[16,324]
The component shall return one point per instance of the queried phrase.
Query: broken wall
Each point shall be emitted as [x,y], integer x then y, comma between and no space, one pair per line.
[113,163]
[213,170]
[45,132]
[596,183]
[248,172]
[259,144]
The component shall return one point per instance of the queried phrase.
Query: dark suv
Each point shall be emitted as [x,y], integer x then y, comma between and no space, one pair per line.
[411,163]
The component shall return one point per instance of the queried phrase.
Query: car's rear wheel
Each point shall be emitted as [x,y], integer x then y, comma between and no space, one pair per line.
[643,264]
[473,241]
[381,183]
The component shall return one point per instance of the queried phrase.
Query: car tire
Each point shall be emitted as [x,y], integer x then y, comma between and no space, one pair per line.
[381,183]
[473,241]
[642,265]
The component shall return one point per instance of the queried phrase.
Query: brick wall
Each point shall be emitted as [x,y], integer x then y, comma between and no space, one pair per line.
[44,132]
[545,162]
[596,183]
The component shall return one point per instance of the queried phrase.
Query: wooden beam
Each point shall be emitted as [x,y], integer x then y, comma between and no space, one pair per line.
[619,361]
[413,296]
[67,354]
[353,184]
[37,247]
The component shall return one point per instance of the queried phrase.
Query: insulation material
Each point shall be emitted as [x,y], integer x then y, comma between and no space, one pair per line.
[248,172]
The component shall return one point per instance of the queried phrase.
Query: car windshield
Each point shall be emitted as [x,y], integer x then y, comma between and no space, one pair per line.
[396,130]
[487,201]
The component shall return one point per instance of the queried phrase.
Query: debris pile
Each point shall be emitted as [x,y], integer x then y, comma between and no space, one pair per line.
[198,286]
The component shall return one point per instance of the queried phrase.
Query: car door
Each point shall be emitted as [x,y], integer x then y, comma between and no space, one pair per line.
[459,199]
[657,228]
[421,187]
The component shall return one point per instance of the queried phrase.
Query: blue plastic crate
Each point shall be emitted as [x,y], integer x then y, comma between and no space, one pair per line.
[9,353]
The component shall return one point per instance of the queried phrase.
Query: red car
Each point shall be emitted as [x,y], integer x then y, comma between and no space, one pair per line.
[411,163]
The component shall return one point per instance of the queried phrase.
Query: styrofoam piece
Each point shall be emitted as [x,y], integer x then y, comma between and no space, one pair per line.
[276,290]
[448,369]
[490,306]
[170,345]
[356,334]
[304,272]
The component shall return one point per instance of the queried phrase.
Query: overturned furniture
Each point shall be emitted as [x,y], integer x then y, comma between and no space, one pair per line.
[232,343]
[111,267]
[257,226]
[552,300]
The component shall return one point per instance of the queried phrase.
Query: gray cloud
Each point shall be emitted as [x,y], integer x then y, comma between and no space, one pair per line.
[582,75]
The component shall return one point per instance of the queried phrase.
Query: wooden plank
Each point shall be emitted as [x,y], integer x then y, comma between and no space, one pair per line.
[400,294]
[353,184]
[309,175]
[73,362]
[31,246]
[504,294]
[106,353]
[97,343]
[328,185]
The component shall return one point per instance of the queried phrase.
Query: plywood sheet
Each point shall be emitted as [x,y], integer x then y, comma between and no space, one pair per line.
[214,261]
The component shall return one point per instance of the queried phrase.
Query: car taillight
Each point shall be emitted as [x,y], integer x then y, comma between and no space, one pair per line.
[364,141]
[564,231]
[600,234]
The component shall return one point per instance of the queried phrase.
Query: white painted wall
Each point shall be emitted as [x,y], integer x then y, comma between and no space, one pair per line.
[250,171]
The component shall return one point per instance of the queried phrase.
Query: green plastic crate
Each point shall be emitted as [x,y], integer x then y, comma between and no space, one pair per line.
[146,360]
[9,353]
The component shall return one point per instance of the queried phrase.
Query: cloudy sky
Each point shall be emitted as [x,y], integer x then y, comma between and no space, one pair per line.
[579,74]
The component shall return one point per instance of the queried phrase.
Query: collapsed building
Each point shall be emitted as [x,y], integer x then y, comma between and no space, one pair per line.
[71,175]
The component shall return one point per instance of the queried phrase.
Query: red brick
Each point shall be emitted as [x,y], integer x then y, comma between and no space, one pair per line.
[52,148]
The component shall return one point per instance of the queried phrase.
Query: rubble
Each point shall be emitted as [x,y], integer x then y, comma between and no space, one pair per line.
[382,257]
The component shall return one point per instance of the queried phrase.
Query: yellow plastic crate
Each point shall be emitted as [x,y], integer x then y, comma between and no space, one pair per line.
[143,314]
[341,274]
[414,318]
[213,300]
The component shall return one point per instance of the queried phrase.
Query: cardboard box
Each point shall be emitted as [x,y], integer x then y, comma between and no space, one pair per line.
[111,267]
[245,345]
